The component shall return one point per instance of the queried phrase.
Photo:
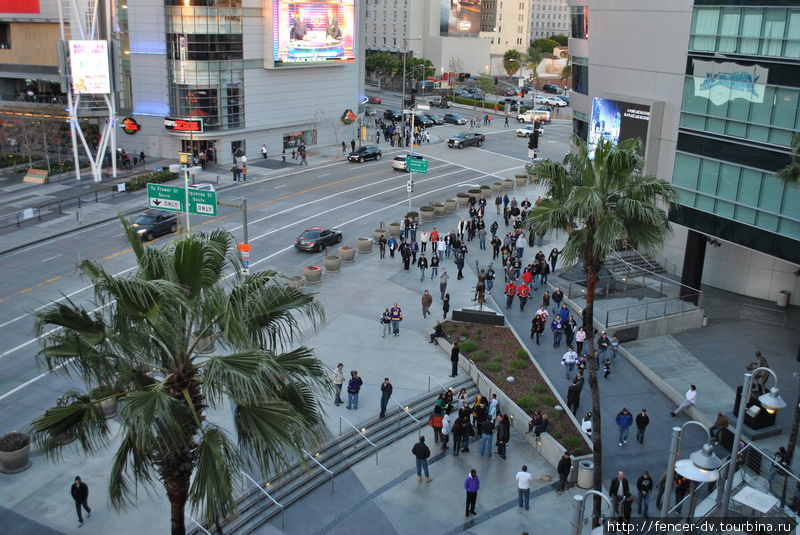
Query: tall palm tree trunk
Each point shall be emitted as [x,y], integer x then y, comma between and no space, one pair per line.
[597,444]
[177,473]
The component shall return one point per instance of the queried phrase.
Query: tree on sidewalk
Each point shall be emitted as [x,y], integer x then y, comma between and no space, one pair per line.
[140,341]
[512,61]
[599,202]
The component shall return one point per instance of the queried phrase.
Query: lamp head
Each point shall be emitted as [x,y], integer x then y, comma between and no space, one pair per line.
[701,466]
[772,400]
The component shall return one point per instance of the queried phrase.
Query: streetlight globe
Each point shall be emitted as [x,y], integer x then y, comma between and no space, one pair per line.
[772,400]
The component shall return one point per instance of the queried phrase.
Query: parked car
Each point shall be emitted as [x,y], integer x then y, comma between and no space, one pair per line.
[369,110]
[552,89]
[315,239]
[555,101]
[544,107]
[374,100]
[393,115]
[367,152]
[203,187]
[462,139]
[510,104]
[507,92]
[525,130]
[152,223]
[437,119]
[565,98]
[540,99]
[399,161]
[421,118]
[439,102]
[454,118]
[531,166]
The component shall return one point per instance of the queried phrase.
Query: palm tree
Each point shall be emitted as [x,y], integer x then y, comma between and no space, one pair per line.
[143,340]
[598,203]
[791,173]
[512,60]
[533,57]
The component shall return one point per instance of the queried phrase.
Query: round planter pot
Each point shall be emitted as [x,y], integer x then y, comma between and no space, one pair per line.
[497,187]
[364,245]
[521,180]
[109,408]
[295,281]
[313,274]
[394,229]
[508,184]
[486,192]
[413,215]
[333,263]
[348,253]
[462,199]
[378,232]
[439,210]
[426,214]
[12,462]
[450,206]
[533,178]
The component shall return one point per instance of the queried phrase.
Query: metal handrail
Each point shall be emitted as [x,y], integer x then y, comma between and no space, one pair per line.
[647,306]
[198,524]
[357,430]
[617,256]
[434,378]
[266,494]
[313,458]
[408,412]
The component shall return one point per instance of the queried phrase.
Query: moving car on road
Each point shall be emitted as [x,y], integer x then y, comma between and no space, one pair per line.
[437,119]
[439,102]
[393,115]
[153,223]
[399,161]
[454,118]
[525,130]
[367,152]
[374,100]
[552,89]
[534,115]
[463,139]
[315,239]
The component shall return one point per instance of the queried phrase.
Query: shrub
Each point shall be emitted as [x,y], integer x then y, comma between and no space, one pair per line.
[547,400]
[11,159]
[14,441]
[522,354]
[571,442]
[493,367]
[464,332]
[528,403]
[540,389]
[468,347]
[480,356]
[478,103]
[518,365]
[141,181]
[496,334]
[507,342]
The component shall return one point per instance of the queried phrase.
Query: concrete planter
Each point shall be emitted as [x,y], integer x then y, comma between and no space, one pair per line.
[348,253]
[394,228]
[426,214]
[486,192]
[476,193]
[508,184]
[532,179]
[378,232]
[450,205]
[439,210]
[109,408]
[295,281]
[313,274]
[332,263]
[521,180]
[364,245]
[462,199]
[12,462]
[497,187]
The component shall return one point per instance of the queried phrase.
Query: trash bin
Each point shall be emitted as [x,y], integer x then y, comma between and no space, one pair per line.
[783,298]
[585,474]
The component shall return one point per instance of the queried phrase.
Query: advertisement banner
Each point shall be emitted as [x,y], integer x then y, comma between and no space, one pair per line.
[460,17]
[88,61]
[726,81]
[20,6]
[617,121]
[313,32]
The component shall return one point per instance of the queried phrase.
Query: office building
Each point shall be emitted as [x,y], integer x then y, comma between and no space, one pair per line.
[548,17]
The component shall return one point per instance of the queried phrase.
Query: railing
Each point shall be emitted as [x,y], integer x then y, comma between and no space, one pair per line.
[645,274]
[662,308]
[434,378]
[265,493]
[313,458]
[762,314]
[405,410]
[196,523]
[355,436]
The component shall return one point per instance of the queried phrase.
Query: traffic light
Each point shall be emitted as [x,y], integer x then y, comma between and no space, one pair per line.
[496,81]
[535,139]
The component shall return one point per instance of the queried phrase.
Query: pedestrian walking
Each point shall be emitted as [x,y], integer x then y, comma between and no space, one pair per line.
[574,396]
[624,420]
[510,291]
[264,151]
[487,432]
[645,486]
[303,158]
[614,347]
[386,393]
[618,490]
[523,478]
[80,493]
[235,171]
[396,315]
[344,147]
[503,434]
[563,469]
[445,432]
[568,360]
[642,421]
[580,338]
[338,379]
[353,388]
[471,485]
[427,301]
[443,282]
[458,435]
[445,306]
[454,352]
[421,453]
[689,400]
[523,292]
[558,331]
[386,321]
[586,424]
[422,264]
[626,508]
[283,157]
[434,265]
[607,368]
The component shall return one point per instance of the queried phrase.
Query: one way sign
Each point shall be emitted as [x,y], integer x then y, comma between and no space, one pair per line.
[165,204]
[172,198]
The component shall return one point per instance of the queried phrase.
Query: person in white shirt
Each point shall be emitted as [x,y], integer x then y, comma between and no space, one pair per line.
[524,486]
[691,398]
[568,360]
[338,378]
[522,243]
[586,424]
[423,241]
[446,427]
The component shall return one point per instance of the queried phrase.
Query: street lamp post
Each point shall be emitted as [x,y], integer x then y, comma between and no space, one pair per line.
[579,507]
[771,401]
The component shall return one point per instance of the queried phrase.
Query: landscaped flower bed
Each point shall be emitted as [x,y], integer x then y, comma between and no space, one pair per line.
[497,353]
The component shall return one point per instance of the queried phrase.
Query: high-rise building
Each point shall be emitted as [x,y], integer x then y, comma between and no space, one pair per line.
[548,17]
[713,88]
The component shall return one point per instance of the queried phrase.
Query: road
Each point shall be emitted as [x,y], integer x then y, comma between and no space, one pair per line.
[352,197]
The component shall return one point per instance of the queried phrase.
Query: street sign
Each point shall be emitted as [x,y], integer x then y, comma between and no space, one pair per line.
[163,197]
[417,166]
[244,253]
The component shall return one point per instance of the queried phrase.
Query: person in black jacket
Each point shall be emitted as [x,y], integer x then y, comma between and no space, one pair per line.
[503,434]
[386,394]
[454,352]
[618,489]
[625,509]
[645,486]
[422,452]
[563,469]
[642,421]
[80,493]
[574,396]
[487,431]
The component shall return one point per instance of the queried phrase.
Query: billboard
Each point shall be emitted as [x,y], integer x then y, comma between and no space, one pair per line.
[20,6]
[313,32]
[88,62]
[616,121]
[460,17]
[726,81]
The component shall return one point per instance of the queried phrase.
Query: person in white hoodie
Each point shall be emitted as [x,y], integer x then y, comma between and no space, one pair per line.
[586,424]
[445,432]
[689,401]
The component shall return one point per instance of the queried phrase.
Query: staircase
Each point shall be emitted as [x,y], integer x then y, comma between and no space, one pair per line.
[337,455]
[632,263]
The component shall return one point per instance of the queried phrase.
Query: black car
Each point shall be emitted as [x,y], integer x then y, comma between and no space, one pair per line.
[315,239]
[463,139]
[510,104]
[437,119]
[454,118]
[393,115]
[421,118]
[153,223]
[552,89]
[507,92]
[367,152]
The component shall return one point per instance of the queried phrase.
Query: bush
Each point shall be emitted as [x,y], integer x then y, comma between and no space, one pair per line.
[468,347]
[522,354]
[507,342]
[518,365]
[141,181]
[570,442]
[480,356]
[493,367]
[11,159]
[528,403]
[14,441]
[479,103]
[547,400]
[540,389]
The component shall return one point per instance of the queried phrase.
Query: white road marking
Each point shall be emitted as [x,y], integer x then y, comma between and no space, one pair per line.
[326,174]
[51,258]
[281,186]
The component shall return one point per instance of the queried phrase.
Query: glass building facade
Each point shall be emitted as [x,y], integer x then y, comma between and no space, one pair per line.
[740,106]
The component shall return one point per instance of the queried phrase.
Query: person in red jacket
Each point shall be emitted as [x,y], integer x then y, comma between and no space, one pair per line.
[511,291]
[523,292]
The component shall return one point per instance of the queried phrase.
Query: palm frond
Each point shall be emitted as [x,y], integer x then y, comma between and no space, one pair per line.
[217,471]
[158,421]
[81,420]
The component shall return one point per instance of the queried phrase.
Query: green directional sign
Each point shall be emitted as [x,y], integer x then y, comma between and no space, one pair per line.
[163,197]
[417,166]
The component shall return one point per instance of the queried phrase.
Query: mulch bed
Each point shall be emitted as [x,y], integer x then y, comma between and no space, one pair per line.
[498,354]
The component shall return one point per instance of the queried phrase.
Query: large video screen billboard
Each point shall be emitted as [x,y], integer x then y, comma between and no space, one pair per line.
[20,6]
[313,31]
[460,17]
[617,121]
[88,61]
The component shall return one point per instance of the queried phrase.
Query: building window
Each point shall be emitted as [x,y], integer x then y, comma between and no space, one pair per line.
[580,22]
[5,35]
